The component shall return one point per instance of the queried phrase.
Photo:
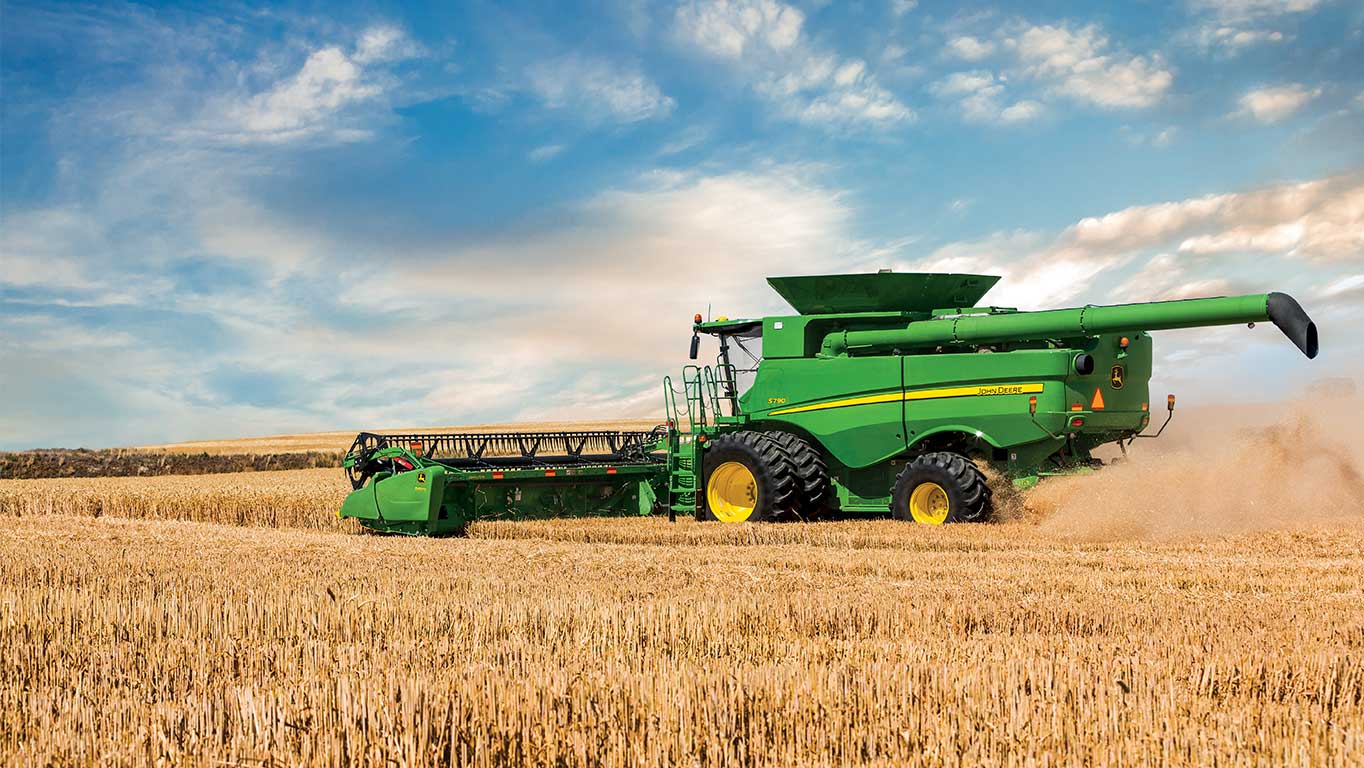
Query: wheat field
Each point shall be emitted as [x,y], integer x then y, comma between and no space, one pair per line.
[141,642]
[1190,609]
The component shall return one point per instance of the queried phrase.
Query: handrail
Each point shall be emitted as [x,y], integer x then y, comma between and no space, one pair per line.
[670,403]
[727,379]
[692,387]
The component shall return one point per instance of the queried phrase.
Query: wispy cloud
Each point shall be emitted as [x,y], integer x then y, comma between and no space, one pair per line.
[594,90]
[901,7]
[1232,26]
[1033,66]
[1274,104]
[544,153]
[764,39]
[335,95]
[970,48]
[980,95]
[1081,63]
[1317,222]
[1249,10]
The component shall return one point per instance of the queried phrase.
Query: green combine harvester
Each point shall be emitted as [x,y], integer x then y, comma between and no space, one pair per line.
[886,394]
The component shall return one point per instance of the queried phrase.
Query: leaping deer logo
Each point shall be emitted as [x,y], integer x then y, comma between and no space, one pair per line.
[1115,376]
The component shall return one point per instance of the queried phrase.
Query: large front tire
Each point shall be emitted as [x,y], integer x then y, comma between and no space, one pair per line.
[941,487]
[750,478]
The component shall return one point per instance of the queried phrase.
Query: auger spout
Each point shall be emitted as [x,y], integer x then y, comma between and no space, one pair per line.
[966,329]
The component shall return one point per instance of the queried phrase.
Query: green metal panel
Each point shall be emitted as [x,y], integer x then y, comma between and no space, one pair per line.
[856,436]
[411,496]
[881,292]
[359,504]
[784,337]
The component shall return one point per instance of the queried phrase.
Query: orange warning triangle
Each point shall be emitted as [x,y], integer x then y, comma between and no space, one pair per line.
[1097,404]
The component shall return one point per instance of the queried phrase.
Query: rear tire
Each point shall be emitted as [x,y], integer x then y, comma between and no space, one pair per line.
[749,478]
[812,473]
[941,487]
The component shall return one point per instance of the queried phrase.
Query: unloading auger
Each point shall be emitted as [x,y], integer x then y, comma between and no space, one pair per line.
[885,394]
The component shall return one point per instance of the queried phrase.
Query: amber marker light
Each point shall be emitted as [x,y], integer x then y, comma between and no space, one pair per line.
[697,318]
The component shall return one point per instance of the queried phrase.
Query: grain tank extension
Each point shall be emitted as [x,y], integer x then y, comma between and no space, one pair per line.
[884,394]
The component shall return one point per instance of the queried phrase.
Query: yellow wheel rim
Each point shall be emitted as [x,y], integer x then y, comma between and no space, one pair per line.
[732,492]
[928,504]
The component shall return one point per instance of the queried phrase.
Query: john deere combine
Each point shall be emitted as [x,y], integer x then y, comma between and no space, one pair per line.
[886,394]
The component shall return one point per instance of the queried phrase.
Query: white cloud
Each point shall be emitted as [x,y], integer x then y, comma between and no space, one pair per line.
[298,106]
[625,245]
[691,136]
[544,153]
[1168,277]
[1234,25]
[313,103]
[385,43]
[1245,10]
[594,89]
[1021,111]
[1234,39]
[1271,105]
[1347,286]
[1081,64]
[979,95]
[1038,64]
[1163,137]
[729,28]
[964,83]
[764,40]
[1322,221]
[901,7]
[601,283]
[1184,245]
[970,48]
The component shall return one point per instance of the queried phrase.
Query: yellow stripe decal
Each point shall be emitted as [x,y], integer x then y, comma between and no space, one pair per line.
[983,390]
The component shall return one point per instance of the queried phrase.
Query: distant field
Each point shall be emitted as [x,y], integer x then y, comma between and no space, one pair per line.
[340,441]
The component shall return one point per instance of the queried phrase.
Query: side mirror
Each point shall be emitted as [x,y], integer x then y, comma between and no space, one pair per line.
[695,345]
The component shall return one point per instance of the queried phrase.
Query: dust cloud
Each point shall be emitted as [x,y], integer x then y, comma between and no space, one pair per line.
[1224,470]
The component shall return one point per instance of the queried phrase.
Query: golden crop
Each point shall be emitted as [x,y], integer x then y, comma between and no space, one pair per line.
[301,498]
[639,642]
[1202,608]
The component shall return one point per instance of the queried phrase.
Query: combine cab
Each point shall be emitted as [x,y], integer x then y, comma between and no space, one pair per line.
[885,394]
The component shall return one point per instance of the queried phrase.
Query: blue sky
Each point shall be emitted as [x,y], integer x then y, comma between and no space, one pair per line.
[225,220]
